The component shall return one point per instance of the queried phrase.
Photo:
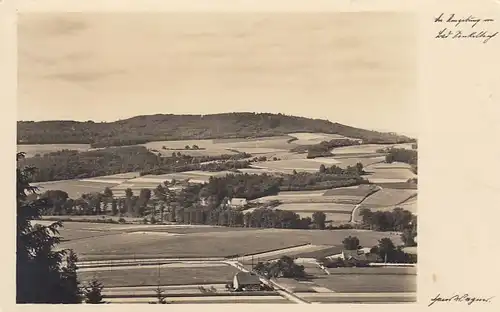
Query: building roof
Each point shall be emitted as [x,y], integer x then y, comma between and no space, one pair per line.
[246,278]
[358,255]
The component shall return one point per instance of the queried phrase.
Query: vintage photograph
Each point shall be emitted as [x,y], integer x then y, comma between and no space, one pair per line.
[205,157]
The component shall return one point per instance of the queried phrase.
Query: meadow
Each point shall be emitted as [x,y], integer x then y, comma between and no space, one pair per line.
[121,241]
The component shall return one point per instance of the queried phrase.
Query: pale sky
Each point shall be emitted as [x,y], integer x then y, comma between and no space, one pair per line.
[358,69]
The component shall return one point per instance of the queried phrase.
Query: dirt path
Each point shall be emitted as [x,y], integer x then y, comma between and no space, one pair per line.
[355,212]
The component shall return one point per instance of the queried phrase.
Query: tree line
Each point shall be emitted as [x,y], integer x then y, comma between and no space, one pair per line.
[70,164]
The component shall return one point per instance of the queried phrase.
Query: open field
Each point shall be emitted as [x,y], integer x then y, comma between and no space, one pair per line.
[364,148]
[233,299]
[75,188]
[354,280]
[358,191]
[33,149]
[410,205]
[306,138]
[223,146]
[387,197]
[312,165]
[223,242]
[362,298]
[189,294]
[324,207]
[387,175]
[368,283]
[167,276]
[394,165]
[344,195]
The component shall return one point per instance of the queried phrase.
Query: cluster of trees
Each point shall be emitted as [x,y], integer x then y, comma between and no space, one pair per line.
[396,220]
[264,158]
[70,164]
[187,147]
[248,186]
[142,129]
[356,171]
[324,148]
[384,251]
[402,155]
[41,276]
[97,203]
[388,252]
[325,178]
[283,267]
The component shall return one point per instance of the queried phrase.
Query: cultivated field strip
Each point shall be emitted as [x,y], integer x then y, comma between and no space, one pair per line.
[364,298]
[387,197]
[312,207]
[151,276]
[206,300]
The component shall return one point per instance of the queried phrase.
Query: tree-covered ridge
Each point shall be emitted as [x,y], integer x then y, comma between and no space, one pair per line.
[142,129]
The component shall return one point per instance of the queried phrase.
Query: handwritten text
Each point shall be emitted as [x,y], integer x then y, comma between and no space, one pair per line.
[465,27]
[466,298]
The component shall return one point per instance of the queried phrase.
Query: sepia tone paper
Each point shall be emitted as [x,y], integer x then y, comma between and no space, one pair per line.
[446,96]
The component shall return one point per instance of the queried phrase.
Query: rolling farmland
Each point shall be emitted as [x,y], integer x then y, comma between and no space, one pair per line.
[183,257]
[127,241]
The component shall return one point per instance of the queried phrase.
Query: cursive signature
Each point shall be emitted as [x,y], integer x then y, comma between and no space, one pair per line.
[466,298]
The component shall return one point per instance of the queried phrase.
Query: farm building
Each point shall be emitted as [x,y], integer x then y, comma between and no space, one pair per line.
[360,256]
[237,202]
[246,281]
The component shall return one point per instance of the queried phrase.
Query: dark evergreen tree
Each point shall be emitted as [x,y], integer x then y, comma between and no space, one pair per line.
[93,292]
[40,274]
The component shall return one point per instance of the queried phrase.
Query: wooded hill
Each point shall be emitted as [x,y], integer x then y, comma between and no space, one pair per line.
[142,129]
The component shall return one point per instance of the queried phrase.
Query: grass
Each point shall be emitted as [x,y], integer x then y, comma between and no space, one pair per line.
[374,271]
[410,205]
[365,148]
[355,283]
[324,207]
[213,244]
[167,276]
[358,191]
